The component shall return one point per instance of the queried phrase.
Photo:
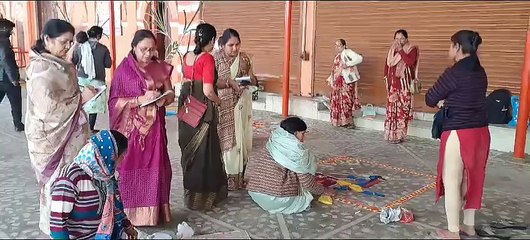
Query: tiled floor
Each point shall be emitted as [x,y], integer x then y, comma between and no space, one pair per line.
[407,168]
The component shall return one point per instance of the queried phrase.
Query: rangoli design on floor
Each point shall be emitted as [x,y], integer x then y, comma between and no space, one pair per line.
[398,181]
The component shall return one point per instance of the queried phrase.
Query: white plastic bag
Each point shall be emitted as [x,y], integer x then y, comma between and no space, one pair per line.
[160,235]
[144,235]
[184,231]
[389,215]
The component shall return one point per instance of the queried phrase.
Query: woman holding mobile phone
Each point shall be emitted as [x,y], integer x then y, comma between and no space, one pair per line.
[235,111]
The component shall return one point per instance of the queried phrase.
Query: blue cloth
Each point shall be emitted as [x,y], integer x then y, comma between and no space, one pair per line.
[283,205]
[515,111]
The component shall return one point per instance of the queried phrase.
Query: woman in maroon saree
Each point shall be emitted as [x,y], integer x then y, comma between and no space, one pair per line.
[400,68]
[145,174]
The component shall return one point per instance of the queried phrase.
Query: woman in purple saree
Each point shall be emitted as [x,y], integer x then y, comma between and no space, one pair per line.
[145,174]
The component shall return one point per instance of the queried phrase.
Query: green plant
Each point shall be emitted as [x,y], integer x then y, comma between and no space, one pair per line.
[160,18]
[98,23]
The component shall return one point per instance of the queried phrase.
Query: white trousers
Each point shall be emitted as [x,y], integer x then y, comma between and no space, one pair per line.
[455,184]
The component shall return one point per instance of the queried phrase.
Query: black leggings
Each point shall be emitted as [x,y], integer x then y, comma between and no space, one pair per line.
[15,99]
[92,120]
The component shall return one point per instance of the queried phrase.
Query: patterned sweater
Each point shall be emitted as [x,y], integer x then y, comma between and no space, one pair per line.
[76,198]
[268,177]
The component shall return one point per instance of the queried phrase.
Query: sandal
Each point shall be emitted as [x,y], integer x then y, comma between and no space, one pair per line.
[505,224]
[444,234]
[464,235]
[488,232]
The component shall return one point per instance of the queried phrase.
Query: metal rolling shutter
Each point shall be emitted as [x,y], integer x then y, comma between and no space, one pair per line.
[368,28]
[261,26]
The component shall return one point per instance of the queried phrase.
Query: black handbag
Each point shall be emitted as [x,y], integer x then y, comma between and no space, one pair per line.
[437,124]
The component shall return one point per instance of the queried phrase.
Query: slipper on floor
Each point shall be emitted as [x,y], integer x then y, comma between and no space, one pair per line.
[489,233]
[464,235]
[503,224]
[441,234]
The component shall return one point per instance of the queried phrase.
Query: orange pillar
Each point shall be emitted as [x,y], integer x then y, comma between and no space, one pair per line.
[32,22]
[287,57]
[33,31]
[112,39]
[524,104]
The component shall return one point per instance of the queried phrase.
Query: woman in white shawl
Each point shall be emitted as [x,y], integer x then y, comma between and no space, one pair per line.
[235,111]
[283,180]
[56,125]
[91,59]
[343,82]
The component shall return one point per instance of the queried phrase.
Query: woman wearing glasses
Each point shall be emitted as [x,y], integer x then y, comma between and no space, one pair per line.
[56,125]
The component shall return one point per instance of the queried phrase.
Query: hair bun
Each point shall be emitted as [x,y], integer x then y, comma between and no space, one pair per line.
[476,40]
[204,33]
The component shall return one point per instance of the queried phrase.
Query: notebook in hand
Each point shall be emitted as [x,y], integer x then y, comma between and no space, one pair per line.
[156,99]
[100,90]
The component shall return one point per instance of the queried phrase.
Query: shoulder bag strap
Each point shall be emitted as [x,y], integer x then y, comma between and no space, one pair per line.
[193,72]
[417,63]
[183,63]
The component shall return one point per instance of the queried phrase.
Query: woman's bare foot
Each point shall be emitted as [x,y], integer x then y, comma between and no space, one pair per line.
[446,234]
[469,230]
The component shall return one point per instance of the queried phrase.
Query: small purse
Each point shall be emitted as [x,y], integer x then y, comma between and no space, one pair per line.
[437,124]
[192,110]
[415,84]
